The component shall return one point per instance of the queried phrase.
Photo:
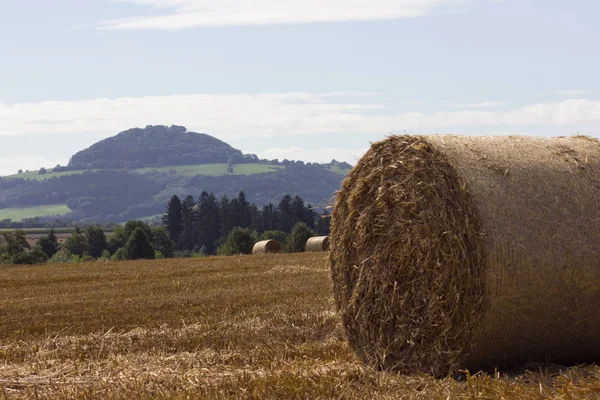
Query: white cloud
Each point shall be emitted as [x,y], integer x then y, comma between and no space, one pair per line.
[301,120]
[226,116]
[270,115]
[183,14]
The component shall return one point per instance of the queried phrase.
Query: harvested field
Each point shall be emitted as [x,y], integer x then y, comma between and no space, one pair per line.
[222,327]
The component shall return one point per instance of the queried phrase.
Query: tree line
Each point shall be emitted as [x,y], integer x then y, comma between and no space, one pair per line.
[191,228]
[206,225]
[132,241]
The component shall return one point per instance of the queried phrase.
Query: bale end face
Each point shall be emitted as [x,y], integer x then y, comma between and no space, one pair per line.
[266,246]
[317,243]
[405,258]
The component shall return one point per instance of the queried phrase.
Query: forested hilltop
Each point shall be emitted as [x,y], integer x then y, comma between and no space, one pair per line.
[133,174]
[156,146]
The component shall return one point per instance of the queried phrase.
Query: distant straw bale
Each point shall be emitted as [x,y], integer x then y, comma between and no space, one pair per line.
[266,246]
[317,243]
[452,252]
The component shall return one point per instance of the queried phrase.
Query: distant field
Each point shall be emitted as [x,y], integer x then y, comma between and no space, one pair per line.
[212,169]
[185,170]
[18,213]
[41,231]
[338,170]
[34,175]
[241,327]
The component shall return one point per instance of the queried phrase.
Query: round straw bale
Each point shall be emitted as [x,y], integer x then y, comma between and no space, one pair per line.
[454,252]
[266,246]
[317,243]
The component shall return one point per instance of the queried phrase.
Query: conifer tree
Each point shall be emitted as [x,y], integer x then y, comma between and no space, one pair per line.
[187,238]
[269,218]
[209,222]
[286,218]
[172,218]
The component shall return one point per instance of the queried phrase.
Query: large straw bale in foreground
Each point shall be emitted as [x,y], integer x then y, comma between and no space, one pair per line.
[317,243]
[266,246]
[452,252]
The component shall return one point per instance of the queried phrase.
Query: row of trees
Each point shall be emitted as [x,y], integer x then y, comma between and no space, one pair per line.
[204,225]
[135,240]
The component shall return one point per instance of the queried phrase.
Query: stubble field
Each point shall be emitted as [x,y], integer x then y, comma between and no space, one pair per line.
[222,327]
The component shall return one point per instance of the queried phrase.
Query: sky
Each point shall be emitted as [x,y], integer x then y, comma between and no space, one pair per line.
[309,80]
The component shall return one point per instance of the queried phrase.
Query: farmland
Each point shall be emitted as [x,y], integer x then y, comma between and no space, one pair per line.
[213,169]
[221,327]
[184,170]
[18,213]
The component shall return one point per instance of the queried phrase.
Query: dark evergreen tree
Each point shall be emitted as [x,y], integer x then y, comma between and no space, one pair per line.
[138,246]
[243,211]
[286,217]
[323,223]
[269,219]
[310,216]
[172,218]
[226,216]
[96,241]
[187,239]
[298,209]
[254,217]
[209,223]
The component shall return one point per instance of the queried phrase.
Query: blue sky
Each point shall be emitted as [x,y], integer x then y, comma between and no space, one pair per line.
[311,79]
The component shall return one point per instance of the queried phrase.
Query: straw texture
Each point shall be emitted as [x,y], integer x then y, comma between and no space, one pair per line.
[452,252]
[266,246]
[317,243]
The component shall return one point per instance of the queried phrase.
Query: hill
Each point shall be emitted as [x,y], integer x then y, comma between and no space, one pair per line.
[155,146]
[125,177]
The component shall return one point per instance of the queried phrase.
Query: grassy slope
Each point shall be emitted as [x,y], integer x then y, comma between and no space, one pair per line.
[186,170]
[33,175]
[212,169]
[18,213]
[338,170]
[222,327]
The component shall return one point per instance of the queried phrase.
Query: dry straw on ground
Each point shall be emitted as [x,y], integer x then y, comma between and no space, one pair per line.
[266,246]
[452,252]
[239,327]
[317,243]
